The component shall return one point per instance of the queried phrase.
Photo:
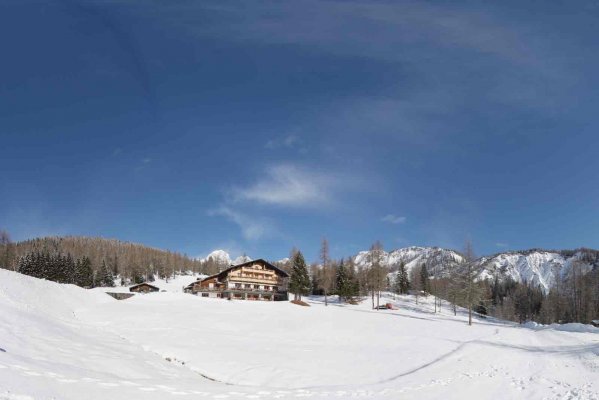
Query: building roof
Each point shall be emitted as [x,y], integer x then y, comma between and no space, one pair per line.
[144,284]
[285,274]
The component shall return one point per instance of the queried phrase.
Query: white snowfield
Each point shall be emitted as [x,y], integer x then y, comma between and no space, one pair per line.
[63,342]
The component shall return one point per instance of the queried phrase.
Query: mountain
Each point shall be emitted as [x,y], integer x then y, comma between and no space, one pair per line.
[221,257]
[218,256]
[536,266]
[539,267]
[442,259]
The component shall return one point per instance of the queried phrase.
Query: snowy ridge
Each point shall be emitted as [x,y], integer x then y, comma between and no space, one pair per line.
[414,256]
[222,257]
[537,267]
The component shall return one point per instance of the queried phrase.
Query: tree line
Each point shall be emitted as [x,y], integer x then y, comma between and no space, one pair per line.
[64,269]
[131,262]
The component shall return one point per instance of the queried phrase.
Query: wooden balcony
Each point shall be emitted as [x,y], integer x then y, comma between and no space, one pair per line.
[265,281]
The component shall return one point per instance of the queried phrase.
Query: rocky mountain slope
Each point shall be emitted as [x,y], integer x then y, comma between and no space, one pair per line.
[436,259]
[536,266]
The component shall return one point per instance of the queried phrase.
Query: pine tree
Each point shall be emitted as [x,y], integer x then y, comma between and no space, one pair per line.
[424,279]
[402,283]
[26,265]
[299,282]
[342,283]
[69,269]
[84,275]
[105,277]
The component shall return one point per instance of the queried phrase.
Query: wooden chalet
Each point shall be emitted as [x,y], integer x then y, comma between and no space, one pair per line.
[252,280]
[143,288]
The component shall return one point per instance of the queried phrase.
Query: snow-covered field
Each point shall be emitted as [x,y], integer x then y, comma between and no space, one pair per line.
[63,342]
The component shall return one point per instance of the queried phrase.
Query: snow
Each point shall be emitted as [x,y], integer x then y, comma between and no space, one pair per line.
[64,342]
[168,285]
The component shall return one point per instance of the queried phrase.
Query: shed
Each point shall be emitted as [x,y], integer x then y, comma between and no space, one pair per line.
[143,288]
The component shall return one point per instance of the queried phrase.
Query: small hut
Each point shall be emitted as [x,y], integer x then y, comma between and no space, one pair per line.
[143,288]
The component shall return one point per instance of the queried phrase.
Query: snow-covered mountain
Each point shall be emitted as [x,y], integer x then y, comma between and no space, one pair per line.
[539,267]
[222,257]
[432,257]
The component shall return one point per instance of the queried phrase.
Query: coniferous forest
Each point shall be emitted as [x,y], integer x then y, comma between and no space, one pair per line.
[88,261]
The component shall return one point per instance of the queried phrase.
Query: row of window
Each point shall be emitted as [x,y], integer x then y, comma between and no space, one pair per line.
[248,286]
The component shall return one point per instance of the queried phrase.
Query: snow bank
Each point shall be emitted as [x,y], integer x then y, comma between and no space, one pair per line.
[570,327]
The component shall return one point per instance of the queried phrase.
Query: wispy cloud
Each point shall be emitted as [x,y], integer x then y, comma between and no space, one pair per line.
[251,228]
[292,186]
[289,141]
[442,41]
[143,163]
[393,219]
[501,245]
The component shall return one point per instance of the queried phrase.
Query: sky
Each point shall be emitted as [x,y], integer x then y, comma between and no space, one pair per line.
[258,126]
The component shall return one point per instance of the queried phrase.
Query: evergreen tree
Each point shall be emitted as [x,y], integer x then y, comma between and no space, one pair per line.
[424,279]
[26,265]
[402,282]
[342,283]
[69,269]
[353,283]
[84,275]
[105,277]
[299,282]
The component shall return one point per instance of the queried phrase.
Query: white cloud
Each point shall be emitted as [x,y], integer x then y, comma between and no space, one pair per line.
[393,219]
[501,244]
[289,185]
[251,228]
[289,142]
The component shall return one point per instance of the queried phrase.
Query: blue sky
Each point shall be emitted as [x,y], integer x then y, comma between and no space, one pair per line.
[259,126]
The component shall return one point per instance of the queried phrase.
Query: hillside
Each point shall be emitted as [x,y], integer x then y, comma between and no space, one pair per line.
[123,258]
[61,341]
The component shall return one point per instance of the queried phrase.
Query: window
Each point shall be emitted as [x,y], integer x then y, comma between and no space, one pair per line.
[204,294]
[238,285]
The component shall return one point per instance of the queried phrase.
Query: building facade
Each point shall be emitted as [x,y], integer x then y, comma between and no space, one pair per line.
[253,280]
